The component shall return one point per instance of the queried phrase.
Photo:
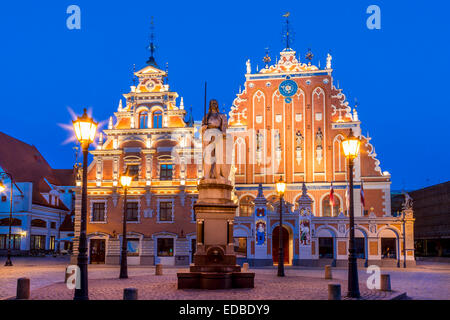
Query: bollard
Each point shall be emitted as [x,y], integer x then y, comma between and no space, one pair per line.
[334,292]
[159,270]
[328,274]
[245,267]
[23,289]
[130,294]
[385,284]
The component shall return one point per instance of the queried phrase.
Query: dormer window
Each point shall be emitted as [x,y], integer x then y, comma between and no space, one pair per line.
[157,119]
[143,120]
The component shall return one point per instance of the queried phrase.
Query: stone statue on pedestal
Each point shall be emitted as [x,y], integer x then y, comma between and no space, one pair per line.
[214,127]
[214,264]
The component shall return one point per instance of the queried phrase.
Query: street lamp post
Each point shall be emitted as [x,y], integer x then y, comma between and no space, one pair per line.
[404,238]
[8,262]
[125,181]
[281,187]
[351,149]
[85,129]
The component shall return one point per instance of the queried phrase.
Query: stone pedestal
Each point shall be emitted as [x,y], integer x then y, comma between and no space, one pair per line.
[215,261]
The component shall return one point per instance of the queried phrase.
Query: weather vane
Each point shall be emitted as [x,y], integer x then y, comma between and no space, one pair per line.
[151,61]
[309,56]
[266,58]
[287,32]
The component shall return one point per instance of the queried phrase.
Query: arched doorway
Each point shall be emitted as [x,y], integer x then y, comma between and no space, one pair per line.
[275,245]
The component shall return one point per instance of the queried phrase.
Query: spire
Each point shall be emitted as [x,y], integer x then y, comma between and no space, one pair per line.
[287,32]
[190,121]
[151,61]
[355,113]
[260,199]
[181,103]
[120,107]
[110,123]
[305,201]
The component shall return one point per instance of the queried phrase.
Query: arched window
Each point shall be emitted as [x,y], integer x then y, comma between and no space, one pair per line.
[326,207]
[246,206]
[143,119]
[38,223]
[157,119]
[14,222]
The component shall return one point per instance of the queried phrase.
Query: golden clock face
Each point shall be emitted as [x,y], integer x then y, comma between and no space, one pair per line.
[150,85]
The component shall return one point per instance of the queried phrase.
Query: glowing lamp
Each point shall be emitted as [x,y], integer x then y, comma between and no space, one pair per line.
[2,186]
[351,146]
[281,187]
[125,180]
[85,128]
[23,233]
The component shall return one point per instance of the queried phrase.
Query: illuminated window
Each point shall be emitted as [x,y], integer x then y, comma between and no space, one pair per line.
[157,119]
[246,206]
[165,247]
[143,119]
[326,207]
[132,247]
[133,171]
[388,248]
[240,247]
[166,172]
[15,241]
[37,242]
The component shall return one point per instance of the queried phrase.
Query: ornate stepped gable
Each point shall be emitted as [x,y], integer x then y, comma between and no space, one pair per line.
[289,120]
[314,85]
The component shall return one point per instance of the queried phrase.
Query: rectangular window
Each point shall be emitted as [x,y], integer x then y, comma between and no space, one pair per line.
[166,172]
[15,241]
[132,247]
[132,211]
[98,211]
[133,171]
[37,242]
[165,211]
[53,225]
[165,247]
[52,243]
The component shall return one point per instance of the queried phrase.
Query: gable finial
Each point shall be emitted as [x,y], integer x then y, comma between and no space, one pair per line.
[266,58]
[151,61]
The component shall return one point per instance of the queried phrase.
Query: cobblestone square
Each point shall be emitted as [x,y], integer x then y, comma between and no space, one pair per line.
[425,281]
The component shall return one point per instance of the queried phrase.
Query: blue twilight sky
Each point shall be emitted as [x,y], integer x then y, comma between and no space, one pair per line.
[398,73]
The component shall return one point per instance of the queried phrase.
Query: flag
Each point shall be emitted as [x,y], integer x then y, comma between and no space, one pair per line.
[362,195]
[347,196]
[331,195]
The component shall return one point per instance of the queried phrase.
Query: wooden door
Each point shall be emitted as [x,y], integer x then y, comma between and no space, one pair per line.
[97,251]
[275,245]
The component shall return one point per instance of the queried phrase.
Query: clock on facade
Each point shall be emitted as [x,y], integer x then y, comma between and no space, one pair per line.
[288,88]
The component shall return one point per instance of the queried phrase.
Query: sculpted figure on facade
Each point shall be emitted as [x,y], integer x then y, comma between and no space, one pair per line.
[299,140]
